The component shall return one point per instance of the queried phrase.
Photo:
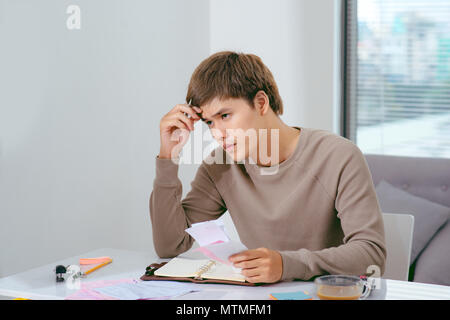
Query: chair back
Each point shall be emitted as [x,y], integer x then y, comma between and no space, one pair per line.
[398,230]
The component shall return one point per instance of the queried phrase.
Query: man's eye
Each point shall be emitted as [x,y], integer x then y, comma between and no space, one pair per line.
[208,123]
[225,114]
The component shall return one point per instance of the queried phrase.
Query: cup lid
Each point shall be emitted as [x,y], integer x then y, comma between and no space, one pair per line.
[338,280]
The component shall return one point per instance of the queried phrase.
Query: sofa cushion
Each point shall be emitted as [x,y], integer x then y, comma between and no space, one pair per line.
[433,264]
[428,216]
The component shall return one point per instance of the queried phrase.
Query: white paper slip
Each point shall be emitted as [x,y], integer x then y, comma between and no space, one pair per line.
[217,222]
[208,232]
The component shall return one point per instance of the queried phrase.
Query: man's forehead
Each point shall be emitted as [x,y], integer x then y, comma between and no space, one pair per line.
[216,105]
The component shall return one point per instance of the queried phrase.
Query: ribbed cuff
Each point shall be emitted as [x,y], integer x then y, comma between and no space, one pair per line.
[294,266]
[166,171]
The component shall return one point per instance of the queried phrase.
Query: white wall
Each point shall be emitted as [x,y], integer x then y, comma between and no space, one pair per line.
[80,110]
[79,120]
[296,40]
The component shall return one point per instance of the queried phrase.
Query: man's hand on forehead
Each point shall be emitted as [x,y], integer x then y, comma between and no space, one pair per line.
[198,111]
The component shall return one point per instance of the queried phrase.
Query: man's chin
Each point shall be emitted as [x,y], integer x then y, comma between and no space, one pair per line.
[238,158]
[231,155]
[236,155]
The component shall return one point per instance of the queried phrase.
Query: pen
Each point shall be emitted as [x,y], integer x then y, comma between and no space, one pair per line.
[97,267]
[187,114]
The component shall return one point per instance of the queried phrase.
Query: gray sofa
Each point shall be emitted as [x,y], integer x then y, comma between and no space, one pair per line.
[427,178]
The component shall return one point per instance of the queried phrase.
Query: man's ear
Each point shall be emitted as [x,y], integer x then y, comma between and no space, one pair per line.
[261,102]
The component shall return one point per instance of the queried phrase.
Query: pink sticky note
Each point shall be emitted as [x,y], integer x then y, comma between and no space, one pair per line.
[210,254]
[221,251]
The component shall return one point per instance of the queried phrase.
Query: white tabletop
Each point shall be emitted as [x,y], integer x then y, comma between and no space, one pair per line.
[40,283]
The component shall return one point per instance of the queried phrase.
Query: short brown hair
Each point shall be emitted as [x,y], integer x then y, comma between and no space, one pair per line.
[228,74]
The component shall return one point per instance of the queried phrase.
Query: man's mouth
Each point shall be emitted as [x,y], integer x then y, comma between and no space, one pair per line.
[228,147]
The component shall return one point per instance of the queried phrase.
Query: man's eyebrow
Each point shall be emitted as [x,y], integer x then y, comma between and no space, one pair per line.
[223,110]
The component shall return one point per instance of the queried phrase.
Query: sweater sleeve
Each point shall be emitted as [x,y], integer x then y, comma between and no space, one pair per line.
[357,207]
[170,215]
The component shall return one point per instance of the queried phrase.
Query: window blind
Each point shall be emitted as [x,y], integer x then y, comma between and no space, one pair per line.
[397,76]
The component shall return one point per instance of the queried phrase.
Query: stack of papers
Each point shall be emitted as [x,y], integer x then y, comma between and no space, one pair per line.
[145,290]
[130,289]
[214,241]
[87,291]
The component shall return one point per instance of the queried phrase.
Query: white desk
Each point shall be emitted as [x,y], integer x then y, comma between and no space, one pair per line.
[39,283]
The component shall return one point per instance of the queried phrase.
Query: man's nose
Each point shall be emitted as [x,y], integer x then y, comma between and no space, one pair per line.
[218,133]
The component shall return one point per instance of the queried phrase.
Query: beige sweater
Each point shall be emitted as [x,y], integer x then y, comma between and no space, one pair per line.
[320,210]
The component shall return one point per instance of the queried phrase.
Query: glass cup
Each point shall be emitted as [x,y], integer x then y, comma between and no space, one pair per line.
[341,287]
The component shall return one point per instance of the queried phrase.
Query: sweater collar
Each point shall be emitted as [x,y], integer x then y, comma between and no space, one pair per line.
[286,163]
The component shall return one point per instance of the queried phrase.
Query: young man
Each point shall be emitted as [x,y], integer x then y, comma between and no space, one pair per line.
[317,213]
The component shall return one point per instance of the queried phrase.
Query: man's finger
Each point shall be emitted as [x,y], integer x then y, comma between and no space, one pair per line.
[248,263]
[189,122]
[197,109]
[244,255]
[253,272]
[185,109]
[255,279]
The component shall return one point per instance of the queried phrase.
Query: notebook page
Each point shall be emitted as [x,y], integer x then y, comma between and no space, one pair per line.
[181,267]
[221,271]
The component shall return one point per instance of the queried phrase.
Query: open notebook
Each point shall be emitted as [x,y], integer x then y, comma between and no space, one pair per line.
[198,271]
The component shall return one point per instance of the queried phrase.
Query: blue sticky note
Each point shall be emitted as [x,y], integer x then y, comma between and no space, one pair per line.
[296,295]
